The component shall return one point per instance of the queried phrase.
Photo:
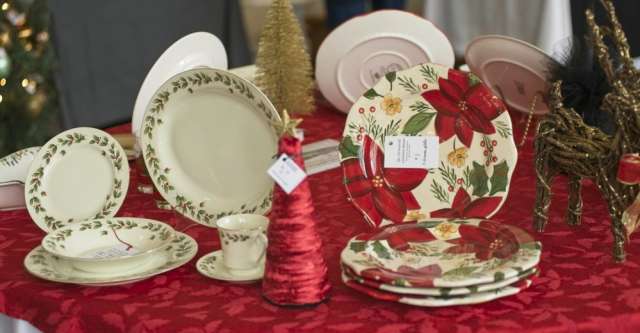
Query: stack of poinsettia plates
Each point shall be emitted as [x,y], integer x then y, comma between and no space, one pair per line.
[441,262]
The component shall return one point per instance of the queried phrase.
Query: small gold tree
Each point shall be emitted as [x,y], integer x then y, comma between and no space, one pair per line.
[283,64]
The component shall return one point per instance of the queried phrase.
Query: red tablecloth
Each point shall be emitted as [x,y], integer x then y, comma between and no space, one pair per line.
[579,289]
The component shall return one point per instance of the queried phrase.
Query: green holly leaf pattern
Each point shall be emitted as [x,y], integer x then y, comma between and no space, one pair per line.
[460,271]
[417,123]
[498,276]
[371,94]
[380,250]
[499,179]
[479,180]
[357,247]
[347,148]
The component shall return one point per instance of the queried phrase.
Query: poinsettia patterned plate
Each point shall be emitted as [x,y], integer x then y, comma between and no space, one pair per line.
[442,292]
[431,301]
[207,141]
[47,266]
[477,153]
[78,175]
[442,253]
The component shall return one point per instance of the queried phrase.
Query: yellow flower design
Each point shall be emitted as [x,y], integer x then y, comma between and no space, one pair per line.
[414,215]
[458,156]
[446,230]
[391,105]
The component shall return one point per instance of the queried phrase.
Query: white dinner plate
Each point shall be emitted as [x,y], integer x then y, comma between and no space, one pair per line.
[207,141]
[46,266]
[515,70]
[80,174]
[198,49]
[358,53]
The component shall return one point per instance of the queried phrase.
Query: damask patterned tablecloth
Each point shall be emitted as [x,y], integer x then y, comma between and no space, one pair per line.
[579,289]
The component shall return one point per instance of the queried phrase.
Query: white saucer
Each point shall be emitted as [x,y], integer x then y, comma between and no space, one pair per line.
[364,49]
[212,266]
[199,49]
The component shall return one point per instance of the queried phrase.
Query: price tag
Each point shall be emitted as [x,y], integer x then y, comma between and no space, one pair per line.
[113,252]
[411,152]
[286,173]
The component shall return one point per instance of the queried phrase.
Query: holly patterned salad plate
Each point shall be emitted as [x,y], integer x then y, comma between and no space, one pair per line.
[431,301]
[49,267]
[442,253]
[476,154]
[442,292]
[207,141]
[78,175]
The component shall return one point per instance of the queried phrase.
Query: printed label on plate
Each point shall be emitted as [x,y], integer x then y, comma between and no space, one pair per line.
[286,173]
[111,252]
[411,152]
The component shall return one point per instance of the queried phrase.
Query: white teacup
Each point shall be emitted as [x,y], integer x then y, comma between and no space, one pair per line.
[244,242]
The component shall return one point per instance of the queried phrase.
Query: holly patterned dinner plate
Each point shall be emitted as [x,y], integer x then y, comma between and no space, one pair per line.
[442,253]
[14,167]
[442,292]
[207,141]
[477,153]
[431,301]
[49,267]
[80,174]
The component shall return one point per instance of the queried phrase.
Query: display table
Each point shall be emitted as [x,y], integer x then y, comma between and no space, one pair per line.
[579,287]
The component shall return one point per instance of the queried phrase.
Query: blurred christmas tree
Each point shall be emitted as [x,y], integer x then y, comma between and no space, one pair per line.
[28,99]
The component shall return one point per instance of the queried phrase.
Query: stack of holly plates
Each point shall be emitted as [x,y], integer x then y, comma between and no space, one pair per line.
[441,262]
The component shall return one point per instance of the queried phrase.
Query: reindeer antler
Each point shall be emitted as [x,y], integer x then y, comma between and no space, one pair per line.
[618,35]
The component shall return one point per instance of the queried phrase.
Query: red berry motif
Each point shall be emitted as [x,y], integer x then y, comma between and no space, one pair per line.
[482,144]
[486,153]
[361,110]
[372,109]
[359,137]
[494,143]
[450,188]
[494,159]
[459,181]
[361,130]
[425,86]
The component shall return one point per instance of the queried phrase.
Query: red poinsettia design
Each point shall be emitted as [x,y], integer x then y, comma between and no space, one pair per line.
[463,108]
[417,277]
[399,237]
[378,191]
[464,207]
[487,240]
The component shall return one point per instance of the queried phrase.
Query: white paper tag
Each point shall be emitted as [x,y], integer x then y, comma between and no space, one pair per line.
[411,152]
[112,252]
[286,173]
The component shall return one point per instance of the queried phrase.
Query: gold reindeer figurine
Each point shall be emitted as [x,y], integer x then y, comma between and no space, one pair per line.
[564,144]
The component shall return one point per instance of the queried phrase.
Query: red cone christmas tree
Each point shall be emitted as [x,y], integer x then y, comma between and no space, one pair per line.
[295,272]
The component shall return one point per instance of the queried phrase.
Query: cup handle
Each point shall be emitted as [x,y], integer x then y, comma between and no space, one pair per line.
[262,239]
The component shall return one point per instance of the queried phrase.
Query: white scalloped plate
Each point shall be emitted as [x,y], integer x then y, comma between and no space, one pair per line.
[362,50]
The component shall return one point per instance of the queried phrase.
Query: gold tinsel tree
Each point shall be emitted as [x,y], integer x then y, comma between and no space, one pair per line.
[283,64]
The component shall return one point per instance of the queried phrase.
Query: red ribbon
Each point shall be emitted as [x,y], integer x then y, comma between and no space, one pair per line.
[380,192]
[629,169]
